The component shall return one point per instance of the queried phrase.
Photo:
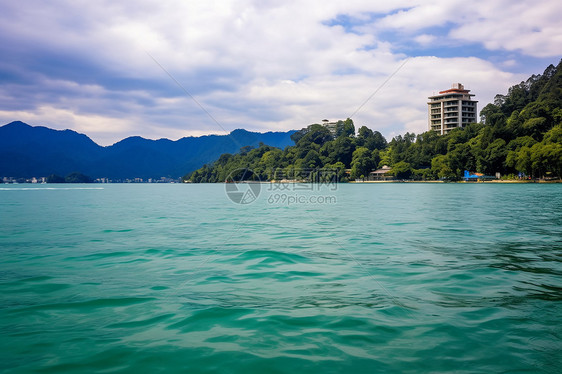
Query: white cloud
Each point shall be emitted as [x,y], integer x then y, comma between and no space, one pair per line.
[425,39]
[252,64]
[530,28]
[52,117]
[533,29]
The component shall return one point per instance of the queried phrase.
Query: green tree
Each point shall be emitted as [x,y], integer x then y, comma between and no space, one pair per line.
[402,170]
[493,157]
[338,170]
[492,115]
[440,168]
[312,160]
[535,127]
[554,135]
[363,135]
[343,148]
[270,161]
[348,128]
[316,134]
[361,164]
[370,139]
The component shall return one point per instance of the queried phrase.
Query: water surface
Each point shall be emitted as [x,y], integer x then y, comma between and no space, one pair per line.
[176,278]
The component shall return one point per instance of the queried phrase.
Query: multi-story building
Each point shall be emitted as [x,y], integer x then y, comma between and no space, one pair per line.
[331,125]
[451,109]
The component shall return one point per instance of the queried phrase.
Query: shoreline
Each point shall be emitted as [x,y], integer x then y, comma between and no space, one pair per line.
[497,181]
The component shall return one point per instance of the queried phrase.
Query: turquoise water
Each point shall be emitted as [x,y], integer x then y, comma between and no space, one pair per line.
[419,278]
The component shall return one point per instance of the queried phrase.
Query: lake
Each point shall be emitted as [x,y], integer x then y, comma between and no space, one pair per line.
[362,278]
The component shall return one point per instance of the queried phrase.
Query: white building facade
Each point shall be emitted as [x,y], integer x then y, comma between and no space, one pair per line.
[451,109]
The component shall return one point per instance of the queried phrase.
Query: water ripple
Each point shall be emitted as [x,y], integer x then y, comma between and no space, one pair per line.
[407,278]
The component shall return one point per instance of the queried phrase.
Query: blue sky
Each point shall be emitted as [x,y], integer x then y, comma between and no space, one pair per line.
[259,65]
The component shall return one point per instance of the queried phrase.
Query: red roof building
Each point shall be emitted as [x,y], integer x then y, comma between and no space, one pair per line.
[450,109]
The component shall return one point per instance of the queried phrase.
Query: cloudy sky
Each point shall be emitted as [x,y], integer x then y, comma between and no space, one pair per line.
[170,69]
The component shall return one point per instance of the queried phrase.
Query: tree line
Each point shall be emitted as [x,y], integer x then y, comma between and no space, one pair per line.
[520,135]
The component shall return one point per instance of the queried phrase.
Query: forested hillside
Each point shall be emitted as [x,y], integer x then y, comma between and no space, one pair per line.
[520,136]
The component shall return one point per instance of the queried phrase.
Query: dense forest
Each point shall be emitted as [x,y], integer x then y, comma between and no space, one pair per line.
[520,135]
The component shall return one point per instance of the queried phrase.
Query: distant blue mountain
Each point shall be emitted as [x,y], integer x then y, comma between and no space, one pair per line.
[27,151]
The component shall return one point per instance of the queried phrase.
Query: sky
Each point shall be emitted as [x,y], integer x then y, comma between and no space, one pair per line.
[170,69]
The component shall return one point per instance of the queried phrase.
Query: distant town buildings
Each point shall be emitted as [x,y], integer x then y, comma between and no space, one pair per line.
[14,180]
[8,180]
[450,109]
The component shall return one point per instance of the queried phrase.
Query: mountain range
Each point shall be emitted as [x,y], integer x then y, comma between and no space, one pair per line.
[27,151]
